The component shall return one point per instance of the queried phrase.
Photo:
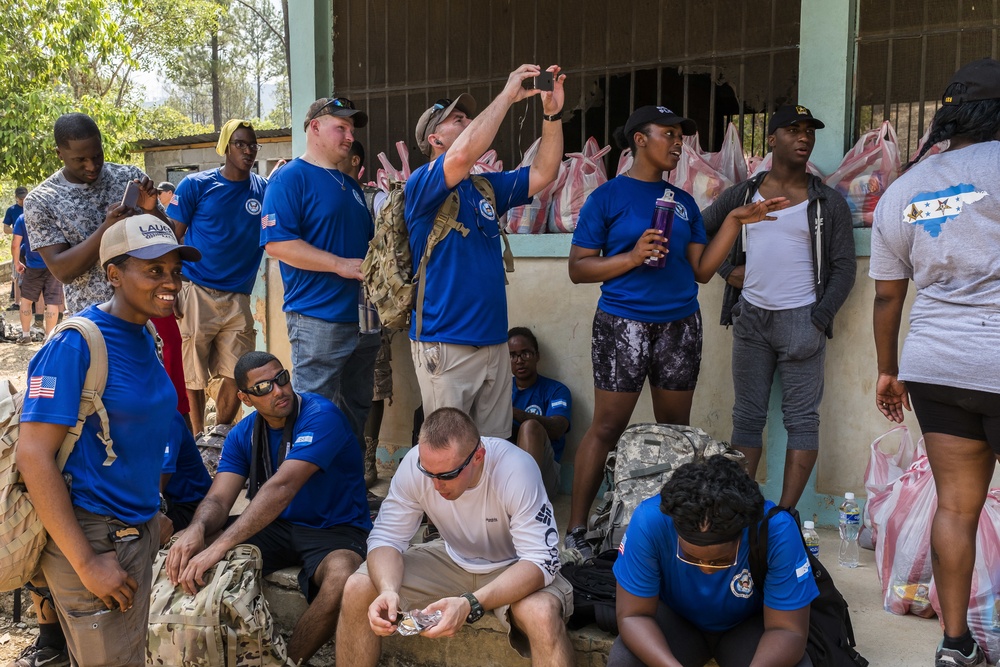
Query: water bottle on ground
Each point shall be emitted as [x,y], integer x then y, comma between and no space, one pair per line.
[850,525]
[811,537]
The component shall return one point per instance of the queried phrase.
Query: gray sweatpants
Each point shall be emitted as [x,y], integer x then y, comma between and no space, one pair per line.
[786,341]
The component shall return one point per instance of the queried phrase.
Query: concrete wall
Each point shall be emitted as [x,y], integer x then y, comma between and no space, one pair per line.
[203,156]
[542,297]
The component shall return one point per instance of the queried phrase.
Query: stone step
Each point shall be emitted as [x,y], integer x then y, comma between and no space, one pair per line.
[480,645]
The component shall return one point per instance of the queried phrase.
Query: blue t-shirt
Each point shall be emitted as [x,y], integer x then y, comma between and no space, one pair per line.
[335,495]
[612,220]
[189,480]
[12,214]
[222,218]
[32,259]
[306,202]
[140,400]
[648,566]
[465,300]
[548,398]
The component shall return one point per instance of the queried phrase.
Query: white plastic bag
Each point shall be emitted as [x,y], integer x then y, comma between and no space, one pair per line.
[885,467]
[530,218]
[866,171]
[585,172]
[697,177]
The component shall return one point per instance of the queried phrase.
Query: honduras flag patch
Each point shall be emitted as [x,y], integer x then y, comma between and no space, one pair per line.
[931,210]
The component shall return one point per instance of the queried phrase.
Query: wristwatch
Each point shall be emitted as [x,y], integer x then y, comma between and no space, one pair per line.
[476,610]
[553,117]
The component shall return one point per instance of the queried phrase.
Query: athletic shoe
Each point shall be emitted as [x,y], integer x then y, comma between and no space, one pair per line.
[577,539]
[33,656]
[949,657]
[24,339]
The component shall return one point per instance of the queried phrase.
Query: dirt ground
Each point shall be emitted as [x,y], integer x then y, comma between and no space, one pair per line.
[14,367]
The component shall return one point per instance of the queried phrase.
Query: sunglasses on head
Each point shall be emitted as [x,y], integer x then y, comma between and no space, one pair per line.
[265,387]
[339,102]
[451,474]
[442,103]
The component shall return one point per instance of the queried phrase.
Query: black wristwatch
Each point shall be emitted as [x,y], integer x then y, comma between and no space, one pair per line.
[476,610]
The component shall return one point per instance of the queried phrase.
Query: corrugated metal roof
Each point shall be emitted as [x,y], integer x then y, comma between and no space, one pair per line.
[211,137]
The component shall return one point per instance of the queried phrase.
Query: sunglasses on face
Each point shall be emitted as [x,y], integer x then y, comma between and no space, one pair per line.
[265,387]
[339,102]
[714,564]
[451,474]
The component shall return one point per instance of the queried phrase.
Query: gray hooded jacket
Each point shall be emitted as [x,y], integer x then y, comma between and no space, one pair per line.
[833,252]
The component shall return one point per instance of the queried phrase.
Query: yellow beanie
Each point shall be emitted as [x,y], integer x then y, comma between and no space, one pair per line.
[227,131]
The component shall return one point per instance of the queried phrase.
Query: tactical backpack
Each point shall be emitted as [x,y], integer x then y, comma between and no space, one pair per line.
[22,536]
[594,591]
[831,636]
[227,623]
[645,458]
[388,267]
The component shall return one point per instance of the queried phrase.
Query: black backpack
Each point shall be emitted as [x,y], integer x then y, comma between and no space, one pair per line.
[594,588]
[831,636]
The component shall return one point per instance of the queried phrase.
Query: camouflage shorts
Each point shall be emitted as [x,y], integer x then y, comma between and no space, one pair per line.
[625,352]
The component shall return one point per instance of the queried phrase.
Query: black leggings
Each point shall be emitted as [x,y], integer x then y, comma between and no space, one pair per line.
[694,647]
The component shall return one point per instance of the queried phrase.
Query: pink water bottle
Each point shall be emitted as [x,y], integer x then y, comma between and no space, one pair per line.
[663,221]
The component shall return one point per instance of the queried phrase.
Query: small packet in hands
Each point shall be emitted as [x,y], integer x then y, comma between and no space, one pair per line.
[414,622]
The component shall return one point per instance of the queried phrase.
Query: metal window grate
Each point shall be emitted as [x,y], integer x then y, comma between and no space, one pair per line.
[711,60]
[907,51]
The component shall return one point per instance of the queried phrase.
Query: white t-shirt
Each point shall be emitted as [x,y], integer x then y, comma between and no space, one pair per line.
[505,518]
[939,225]
[779,273]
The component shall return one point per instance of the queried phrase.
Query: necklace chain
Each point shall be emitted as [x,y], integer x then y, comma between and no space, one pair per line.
[341,182]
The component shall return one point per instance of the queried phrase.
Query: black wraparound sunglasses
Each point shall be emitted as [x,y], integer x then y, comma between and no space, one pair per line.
[451,474]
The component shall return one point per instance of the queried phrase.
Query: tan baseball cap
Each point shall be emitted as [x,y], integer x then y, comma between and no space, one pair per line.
[429,119]
[145,237]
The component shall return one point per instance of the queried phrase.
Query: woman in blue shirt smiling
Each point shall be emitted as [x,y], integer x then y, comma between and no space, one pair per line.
[102,529]
[647,321]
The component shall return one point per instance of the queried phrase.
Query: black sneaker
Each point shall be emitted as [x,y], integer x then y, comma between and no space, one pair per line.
[949,657]
[33,656]
[576,539]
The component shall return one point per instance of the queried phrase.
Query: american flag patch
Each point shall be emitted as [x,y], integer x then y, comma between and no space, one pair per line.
[42,386]
[621,545]
[174,201]
[268,220]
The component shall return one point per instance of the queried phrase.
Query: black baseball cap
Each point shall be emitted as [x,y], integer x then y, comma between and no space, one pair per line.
[165,186]
[979,80]
[789,114]
[658,116]
[20,191]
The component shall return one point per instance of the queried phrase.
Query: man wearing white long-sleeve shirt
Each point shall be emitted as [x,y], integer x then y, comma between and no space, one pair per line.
[499,548]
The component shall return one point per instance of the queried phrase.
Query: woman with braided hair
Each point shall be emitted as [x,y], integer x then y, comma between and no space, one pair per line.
[939,226]
[685,594]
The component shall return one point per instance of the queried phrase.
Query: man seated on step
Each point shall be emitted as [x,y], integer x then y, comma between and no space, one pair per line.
[499,548]
[307,498]
[542,408]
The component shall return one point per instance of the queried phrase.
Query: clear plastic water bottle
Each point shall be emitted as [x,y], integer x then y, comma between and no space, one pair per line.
[811,537]
[850,525]
[663,221]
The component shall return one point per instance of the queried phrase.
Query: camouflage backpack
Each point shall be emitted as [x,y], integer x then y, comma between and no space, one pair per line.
[646,456]
[388,266]
[22,536]
[227,623]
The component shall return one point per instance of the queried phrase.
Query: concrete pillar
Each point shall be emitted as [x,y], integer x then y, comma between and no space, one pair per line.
[826,74]
[310,24]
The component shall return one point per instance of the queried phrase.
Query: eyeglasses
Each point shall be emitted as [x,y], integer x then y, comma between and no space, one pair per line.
[265,387]
[715,564]
[339,102]
[524,355]
[242,146]
[451,474]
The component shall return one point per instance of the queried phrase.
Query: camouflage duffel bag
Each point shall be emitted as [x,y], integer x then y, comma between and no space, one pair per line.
[226,623]
[637,469]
